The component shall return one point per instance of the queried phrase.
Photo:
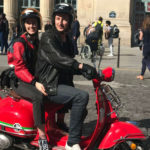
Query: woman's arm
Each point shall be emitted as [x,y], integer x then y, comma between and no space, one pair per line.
[141,35]
[21,70]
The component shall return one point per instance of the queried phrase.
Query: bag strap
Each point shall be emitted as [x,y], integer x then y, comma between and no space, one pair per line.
[20,39]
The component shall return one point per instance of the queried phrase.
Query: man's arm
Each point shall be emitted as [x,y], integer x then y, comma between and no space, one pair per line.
[51,52]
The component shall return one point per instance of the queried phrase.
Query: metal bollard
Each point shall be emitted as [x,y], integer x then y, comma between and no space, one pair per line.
[118,58]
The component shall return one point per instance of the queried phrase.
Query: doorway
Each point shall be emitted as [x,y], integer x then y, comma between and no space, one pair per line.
[136,17]
[1,6]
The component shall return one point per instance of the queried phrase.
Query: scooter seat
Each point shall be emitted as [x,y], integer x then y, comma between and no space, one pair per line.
[49,105]
[15,95]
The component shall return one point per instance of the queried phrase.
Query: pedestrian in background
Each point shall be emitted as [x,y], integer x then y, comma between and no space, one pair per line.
[88,29]
[47,26]
[16,31]
[109,37]
[145,36]
[99,28]
[2,27]
[6,32]
[75,31]
[97,40]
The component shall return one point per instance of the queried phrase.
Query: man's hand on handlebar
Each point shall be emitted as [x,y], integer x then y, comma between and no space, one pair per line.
[41,88]
[88,71]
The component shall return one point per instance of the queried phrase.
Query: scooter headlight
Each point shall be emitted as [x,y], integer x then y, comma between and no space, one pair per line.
[133,146]
[108,74]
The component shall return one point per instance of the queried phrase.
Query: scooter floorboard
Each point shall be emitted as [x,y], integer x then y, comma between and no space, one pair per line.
[58,148]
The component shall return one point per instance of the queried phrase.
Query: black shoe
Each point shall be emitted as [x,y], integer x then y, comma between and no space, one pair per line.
[43,144]
[63,126]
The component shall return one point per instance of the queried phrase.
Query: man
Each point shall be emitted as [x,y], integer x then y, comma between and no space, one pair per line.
[94,39]
[52,62]
[99,29]
[75,34]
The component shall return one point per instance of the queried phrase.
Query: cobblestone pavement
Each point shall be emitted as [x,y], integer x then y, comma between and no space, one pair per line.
[134,93]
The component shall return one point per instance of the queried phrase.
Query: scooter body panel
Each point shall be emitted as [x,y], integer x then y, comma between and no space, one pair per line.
[118,132]
[16,117]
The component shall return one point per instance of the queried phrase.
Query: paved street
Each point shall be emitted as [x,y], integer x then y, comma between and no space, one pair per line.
[133,93]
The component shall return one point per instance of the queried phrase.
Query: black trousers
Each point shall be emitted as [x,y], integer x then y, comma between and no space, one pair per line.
[30,93]
[75,47]
[145,63]
[65,94]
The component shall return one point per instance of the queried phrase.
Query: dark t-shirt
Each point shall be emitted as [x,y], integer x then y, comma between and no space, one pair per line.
[66,77]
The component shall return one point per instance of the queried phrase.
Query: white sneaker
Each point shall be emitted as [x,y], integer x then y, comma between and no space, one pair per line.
[110,55]
[74,147]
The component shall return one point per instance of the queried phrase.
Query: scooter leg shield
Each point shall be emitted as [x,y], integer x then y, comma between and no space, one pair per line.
[120,131]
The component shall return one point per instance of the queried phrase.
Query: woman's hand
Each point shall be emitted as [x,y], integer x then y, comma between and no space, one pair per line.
[74,37]
[41,88]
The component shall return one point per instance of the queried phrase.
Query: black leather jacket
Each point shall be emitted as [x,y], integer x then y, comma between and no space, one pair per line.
[51,61]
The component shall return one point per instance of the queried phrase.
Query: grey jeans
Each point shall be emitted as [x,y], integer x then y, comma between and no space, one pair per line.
[79,100]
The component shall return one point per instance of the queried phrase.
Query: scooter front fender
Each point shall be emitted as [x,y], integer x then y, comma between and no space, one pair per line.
[120,131]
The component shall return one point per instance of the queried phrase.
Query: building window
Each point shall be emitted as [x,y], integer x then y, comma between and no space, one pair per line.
[139,6]
[72,2]
[29,3]
[139,14]
[1,3]
[1,6]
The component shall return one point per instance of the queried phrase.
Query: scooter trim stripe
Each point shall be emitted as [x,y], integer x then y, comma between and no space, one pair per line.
[21,134]
[5,124]
[22,128]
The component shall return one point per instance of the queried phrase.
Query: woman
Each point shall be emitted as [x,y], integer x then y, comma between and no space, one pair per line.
[24,61]
[108,36]
[145,36]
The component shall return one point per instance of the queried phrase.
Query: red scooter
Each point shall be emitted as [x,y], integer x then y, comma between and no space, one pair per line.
[17,125]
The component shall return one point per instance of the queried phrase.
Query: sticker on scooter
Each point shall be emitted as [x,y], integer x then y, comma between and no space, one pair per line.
[17,127]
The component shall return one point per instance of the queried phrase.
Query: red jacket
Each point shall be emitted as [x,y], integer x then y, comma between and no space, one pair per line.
[24,60]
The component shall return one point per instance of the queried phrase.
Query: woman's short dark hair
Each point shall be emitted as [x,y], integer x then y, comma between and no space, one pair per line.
[108,22]
[100,18]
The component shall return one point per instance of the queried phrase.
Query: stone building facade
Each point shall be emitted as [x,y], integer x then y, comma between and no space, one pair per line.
[127,14]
